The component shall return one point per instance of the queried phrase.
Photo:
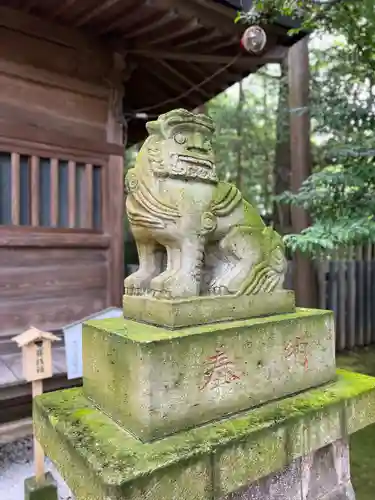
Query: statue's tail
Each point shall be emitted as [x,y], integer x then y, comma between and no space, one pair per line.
[267,275]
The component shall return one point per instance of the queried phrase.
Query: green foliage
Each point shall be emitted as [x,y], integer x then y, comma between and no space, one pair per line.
[245,119]
[339,196]
[341,202]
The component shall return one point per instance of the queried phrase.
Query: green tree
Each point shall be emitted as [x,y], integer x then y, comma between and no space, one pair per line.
[245,120]
[340,194]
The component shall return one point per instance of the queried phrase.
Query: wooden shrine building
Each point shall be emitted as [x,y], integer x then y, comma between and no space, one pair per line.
[76,80]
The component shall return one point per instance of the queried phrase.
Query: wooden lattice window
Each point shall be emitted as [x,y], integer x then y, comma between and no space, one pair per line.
[50,192]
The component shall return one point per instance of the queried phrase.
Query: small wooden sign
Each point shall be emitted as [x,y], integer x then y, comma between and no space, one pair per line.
[36,348]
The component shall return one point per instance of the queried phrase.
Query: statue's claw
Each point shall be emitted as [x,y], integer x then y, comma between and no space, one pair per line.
[218,290]
[135,291]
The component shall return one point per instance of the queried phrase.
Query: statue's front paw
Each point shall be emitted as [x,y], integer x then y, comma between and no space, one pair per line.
[157,288]
[136,284]
[181,284]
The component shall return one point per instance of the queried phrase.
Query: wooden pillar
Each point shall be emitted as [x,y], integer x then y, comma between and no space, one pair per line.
[281,216]
[304,276]
[114,210]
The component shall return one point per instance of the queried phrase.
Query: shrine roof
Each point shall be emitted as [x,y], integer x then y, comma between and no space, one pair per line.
[180,53]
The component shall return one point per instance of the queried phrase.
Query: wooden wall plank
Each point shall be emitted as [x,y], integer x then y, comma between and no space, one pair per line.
[41,140]
[29,237]
[72,194]
[77,62]
[50,79]
[51,281]
[49,313]
[54,208]
[24,258]
[15,188]
[14,114]
[34,185]
[52,101]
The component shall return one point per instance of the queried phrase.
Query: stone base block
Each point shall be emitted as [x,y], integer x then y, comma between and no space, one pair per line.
[101,461]
[321,475]
[154,381]
[45,490]
[204,310]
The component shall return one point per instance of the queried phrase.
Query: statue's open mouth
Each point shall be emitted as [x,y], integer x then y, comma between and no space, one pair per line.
[192,160]
[192,167]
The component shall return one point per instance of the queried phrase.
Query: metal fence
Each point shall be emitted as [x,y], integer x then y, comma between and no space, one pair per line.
[346,282]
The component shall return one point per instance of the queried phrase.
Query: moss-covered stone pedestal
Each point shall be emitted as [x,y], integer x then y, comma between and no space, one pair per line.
[292,449]
[221,411]
[154,381]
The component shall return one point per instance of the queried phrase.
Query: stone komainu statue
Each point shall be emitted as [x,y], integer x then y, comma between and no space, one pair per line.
[215,242]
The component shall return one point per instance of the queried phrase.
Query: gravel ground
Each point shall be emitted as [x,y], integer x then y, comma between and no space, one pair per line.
[16,464]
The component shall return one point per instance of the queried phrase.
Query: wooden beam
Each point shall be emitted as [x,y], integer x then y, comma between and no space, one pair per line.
[184,78]
[15,188]
[273,55]
[31,138]
[227,13]
[208,17]
[223,43]
[137,12]
[187,28]
[29,5]
[54,206]
[34,191]
[213,87]
[72,202]
[13,431]
[207,38]
[87,216]
[114,184]
[95,12]
[168,81]
[64,5]
[150,27]
[305,280]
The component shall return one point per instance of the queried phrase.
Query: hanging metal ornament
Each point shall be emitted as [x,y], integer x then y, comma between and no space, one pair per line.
[254,39]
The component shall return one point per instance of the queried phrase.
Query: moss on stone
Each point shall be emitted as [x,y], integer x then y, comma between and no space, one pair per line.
[144,333]
[118,457]
[45,490]
[204,310]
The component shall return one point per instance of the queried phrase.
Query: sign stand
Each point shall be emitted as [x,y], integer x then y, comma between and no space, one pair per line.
[37,390]
[36,348]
